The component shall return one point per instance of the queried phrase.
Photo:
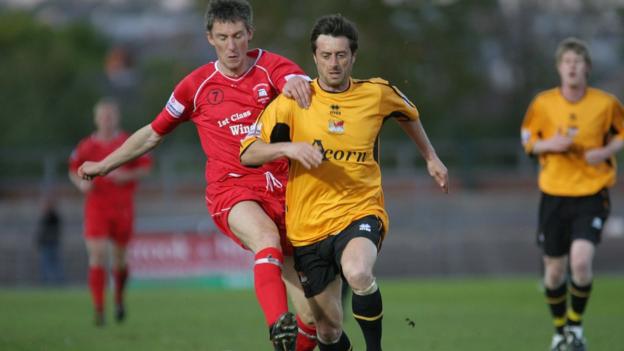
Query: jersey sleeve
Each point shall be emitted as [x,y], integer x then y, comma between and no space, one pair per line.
[282,69]
[273,124]
[530,130]
[617,120]
[395,104]
[178,109]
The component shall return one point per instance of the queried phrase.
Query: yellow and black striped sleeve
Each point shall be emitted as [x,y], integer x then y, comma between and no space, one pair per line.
[273,124]
[617,121]
[396,104]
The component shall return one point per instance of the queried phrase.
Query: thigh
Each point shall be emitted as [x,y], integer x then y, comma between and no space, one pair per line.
[119,256]
[554,231]
[368,232]
[97,249]
[241,212]
[252,226]
[359,255]
[582,252]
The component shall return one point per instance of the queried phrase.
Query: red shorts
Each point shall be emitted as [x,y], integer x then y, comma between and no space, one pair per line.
[222,197]
[111,222]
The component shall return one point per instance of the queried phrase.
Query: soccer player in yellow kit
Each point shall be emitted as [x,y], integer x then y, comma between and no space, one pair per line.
[335,214]
[575,131]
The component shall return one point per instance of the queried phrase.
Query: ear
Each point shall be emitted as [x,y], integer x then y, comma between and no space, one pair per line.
[314,57]
[210,38]
[353,59]
[250,33]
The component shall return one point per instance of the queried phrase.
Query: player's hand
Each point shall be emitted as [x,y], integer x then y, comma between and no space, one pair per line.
[298,88]
[85,186]
[438,171]
[596,156]
[559,143]
[308,155]
[90,170]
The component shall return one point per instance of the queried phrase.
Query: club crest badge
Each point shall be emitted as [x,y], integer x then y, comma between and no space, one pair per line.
[336,126]
[262,93]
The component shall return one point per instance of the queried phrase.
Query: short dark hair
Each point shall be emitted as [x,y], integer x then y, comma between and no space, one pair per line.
[229,11]
[335,26]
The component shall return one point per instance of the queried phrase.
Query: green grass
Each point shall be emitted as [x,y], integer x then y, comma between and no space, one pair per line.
[470,314]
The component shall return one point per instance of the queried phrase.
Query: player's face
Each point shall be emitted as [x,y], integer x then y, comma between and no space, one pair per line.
[334,62]
[573,70]
[107,118]
[231,41]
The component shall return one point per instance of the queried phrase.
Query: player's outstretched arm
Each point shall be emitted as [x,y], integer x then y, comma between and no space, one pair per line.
[259,153]
[436,168]
[139,143]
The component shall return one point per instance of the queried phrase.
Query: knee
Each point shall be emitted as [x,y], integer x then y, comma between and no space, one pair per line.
[306,316]
[359,279]
[97,258]
[554,276]
[119,262]
[581,271]
[263,240]
[328,334]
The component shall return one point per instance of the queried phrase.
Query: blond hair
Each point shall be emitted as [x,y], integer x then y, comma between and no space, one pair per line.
[575,45]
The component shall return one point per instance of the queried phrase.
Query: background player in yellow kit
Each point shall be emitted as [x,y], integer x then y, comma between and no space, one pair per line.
[575,130]
[335,210]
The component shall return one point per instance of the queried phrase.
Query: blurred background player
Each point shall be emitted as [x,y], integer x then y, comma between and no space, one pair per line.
[48,240]
[109,206]
[575,131]
[339,227]
[223,99]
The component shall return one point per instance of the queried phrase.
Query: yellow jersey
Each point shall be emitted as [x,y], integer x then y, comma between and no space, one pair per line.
[345,126]
[591,123]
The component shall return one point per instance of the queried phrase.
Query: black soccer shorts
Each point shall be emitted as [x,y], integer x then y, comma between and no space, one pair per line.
[319,263]
[563,219]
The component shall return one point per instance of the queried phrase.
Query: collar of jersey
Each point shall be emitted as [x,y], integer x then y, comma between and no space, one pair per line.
[321,90]
[260,52]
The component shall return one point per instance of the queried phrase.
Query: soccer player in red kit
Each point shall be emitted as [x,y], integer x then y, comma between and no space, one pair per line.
[223,100]
[109,205]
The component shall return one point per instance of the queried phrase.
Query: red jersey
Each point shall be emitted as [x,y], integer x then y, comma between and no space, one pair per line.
[105,192]
[224,108]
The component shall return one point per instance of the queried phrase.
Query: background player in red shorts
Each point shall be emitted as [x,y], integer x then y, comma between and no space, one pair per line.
[223,100]
[109,205]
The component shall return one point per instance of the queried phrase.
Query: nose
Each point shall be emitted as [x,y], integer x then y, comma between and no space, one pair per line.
[230,44]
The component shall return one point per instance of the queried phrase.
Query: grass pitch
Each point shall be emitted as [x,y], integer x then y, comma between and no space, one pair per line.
[467,314]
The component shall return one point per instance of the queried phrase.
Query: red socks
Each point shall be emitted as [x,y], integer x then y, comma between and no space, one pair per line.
[306,338]
[97,283]
[268,284]
[121,276]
